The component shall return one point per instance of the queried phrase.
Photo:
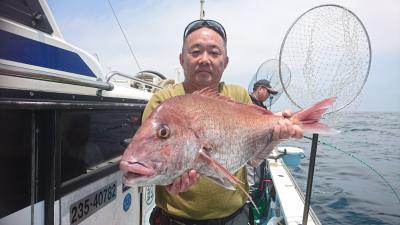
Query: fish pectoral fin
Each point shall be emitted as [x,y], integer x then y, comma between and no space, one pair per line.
[218,168]
[223,183]
[224,172]
[260,157]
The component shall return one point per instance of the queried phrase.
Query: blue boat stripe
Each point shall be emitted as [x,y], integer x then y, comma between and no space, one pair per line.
[24,50]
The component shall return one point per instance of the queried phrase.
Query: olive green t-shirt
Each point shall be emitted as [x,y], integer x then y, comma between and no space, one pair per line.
[205,199]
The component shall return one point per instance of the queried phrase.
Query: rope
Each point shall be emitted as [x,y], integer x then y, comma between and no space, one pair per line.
[362,162]
[123,33]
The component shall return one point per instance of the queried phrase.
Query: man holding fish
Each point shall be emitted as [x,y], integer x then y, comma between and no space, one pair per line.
[196,127]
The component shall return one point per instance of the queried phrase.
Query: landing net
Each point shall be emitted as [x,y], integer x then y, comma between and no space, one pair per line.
[269,70]
[328,52]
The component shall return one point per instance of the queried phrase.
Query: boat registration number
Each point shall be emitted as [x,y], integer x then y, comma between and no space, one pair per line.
[82,209]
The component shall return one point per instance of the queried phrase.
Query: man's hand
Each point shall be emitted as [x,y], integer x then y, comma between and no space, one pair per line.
[182,183]
[285,128]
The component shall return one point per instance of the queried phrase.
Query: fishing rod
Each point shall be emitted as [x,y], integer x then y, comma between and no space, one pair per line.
[362,162]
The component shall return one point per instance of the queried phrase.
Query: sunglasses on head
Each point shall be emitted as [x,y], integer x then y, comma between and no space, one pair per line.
[212,24]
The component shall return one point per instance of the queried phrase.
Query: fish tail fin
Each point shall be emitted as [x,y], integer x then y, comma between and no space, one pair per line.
[309,118]
[231,178]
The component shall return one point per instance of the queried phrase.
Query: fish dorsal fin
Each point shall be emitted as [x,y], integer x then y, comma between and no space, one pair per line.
[261,109]
[230,177]
[212,93]
[206,92]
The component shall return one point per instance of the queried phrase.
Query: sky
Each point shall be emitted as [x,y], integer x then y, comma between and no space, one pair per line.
[255,31]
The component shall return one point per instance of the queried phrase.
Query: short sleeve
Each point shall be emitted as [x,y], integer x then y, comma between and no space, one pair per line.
[154,101]
[160,96]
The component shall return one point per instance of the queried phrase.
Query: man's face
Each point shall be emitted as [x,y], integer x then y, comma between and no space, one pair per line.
[203,58]
[262,93]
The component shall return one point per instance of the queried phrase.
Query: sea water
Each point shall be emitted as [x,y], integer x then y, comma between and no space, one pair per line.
[345,191]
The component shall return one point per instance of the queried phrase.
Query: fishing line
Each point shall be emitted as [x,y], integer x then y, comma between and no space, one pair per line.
[123,33]
[362,162]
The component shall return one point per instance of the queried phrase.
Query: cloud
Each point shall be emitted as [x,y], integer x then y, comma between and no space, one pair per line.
[255,31]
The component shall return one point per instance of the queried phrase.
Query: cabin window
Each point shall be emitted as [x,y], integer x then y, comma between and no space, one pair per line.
[15,160]
[27,12]
[92,139]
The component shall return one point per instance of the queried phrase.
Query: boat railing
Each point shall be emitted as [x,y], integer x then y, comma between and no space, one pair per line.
[136,79]
[52,77]
[59,78]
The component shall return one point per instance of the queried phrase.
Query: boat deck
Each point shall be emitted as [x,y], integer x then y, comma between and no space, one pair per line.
[290,197]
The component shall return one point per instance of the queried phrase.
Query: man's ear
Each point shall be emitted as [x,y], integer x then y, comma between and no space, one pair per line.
[226,61]
[181,59]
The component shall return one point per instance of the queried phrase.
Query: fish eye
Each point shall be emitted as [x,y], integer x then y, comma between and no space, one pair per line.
[163,131]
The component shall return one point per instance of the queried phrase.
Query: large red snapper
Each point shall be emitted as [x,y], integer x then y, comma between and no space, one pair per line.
[209,133]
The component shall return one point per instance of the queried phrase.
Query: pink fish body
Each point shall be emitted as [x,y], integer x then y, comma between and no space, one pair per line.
[209,133]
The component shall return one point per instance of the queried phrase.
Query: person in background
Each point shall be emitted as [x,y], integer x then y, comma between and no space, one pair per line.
[191,198]
[261,91]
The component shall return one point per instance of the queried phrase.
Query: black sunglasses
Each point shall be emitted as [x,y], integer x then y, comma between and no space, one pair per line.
[212,24]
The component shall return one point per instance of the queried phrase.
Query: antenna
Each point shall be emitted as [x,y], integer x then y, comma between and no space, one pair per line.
[202,12]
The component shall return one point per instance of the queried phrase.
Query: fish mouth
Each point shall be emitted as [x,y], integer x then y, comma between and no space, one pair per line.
[135,170]
[132,176]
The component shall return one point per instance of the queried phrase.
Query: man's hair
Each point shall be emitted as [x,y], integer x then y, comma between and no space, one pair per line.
[210,24]
[225,45]
[255,87]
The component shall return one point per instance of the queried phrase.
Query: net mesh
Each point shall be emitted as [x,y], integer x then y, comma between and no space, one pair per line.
[269,70]
[328,52]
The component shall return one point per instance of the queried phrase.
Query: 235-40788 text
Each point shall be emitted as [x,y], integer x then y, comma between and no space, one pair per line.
[88,205]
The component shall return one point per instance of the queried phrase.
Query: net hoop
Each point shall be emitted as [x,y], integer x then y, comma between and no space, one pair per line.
[269,70]
[282,49]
